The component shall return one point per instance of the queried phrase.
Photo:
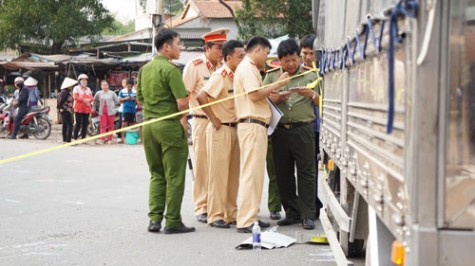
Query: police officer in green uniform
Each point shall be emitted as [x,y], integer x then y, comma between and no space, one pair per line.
[273,198]
[293,142]
[161,90]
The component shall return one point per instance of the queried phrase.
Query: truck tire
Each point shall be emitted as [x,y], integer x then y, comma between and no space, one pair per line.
[356,249]
[351,249]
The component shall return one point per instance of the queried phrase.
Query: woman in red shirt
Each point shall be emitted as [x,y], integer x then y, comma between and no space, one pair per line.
[82,106]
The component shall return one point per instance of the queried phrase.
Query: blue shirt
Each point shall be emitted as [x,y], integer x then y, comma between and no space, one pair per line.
[129,105]
[33,96]
[316,123]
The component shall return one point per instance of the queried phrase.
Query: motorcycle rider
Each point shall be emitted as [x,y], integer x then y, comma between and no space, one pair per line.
[22,104]
[13,109]
[34,93]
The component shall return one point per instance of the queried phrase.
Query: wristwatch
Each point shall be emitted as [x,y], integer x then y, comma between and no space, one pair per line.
[314,96]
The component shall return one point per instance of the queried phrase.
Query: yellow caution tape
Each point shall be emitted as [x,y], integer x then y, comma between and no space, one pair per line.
[76,142]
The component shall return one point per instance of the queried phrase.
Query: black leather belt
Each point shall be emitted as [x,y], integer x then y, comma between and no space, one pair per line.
[169,119]
[255,121]
[293,125]
[199,116]
[229,124]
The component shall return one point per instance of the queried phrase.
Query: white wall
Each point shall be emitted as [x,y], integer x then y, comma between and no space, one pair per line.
[213,24]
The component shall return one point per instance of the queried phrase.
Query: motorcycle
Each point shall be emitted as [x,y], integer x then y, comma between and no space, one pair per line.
[35,122]
[94,126]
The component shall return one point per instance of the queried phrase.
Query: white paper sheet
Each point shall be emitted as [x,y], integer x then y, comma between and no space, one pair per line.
[276,116]
[269,240]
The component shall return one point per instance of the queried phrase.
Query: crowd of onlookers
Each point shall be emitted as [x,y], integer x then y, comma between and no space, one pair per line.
[104,104]
[78,105]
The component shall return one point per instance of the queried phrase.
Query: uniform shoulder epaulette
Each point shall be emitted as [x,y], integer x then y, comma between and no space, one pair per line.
[197,61]
[273,69]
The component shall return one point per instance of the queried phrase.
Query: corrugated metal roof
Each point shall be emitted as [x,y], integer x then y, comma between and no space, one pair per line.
[192,34]
[27,65]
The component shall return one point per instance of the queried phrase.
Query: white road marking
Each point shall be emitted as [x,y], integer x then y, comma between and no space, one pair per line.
[12,201]
[75,202]
[46,180]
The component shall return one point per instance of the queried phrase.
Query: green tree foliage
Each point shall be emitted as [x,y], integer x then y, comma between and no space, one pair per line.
[273,18]
[50,23]
[118,28]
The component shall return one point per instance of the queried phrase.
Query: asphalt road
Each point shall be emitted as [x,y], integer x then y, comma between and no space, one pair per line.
[87,205]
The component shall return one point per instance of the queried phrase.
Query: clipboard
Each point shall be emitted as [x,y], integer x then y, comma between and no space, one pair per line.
[276,116]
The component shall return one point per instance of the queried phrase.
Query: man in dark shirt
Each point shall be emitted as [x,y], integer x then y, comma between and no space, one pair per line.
[22,105]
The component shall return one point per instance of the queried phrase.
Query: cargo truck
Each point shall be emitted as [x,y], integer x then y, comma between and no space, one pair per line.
[398,130]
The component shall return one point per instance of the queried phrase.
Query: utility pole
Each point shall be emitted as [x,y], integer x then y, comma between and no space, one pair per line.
[157,21]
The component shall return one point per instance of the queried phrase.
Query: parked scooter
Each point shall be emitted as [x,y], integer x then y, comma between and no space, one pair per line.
[94,126]
[36,122]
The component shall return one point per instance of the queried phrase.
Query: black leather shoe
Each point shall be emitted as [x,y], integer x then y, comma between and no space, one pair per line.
[289,221]
[232,223]
[248,229]
[263,224]
[202,218]
[275,216]
[220,224]
[178,230]
[154,226]
[245,230]
[308,224]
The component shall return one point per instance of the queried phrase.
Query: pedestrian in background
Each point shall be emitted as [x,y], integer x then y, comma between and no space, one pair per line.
[65,107]
[105,102]
[127,97]
[161,90]
[195,75]
[121,108]
[254,115]
[82,106]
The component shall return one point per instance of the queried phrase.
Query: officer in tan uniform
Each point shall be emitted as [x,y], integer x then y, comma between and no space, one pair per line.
[221,139]
[195,75]
[253,114]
